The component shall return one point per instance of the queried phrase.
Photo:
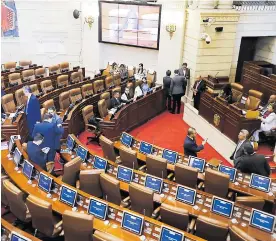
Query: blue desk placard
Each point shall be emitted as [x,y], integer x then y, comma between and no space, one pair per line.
[262,220]
[100,163]
[82,153]
[45,182]
[185,194]
[261,183]
[97,208]
[28,169]
[68,196]
[126,139]
[145,148]
[170,156]
[17,156]
[222,207]
[132,223]
[154,183]
[70,142]
[17,237]
[228,170]
[197,163]
[169,234]
[124,174]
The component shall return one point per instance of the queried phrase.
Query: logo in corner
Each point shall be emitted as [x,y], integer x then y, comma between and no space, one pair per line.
[216,120]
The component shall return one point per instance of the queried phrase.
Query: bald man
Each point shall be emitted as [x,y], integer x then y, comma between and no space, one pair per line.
[198,88]
[271,101]
[190,146]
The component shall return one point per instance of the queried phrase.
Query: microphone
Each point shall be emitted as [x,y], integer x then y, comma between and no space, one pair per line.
[216,76]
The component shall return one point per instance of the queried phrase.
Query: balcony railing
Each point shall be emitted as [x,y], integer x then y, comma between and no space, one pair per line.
[255,5]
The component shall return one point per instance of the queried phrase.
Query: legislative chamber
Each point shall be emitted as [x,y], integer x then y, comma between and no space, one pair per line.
[138,120]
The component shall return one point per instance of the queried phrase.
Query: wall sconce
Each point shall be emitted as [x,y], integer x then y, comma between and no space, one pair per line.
[171,28]
[89,20]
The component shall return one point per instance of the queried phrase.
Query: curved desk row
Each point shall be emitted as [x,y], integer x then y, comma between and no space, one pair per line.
[151,227]
[241,214]
[242,179]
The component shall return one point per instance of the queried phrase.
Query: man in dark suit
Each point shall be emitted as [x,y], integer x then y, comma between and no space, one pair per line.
[239,150]
[166,86]
[32,109]
[36,153]
[177,90]
[190,146]
[184,71]
[116,100]
[252,162]
[198,88]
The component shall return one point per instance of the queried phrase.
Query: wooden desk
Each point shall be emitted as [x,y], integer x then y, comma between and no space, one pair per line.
[134,114]
[216,83]
[203,200]
[113,227]
[7,228]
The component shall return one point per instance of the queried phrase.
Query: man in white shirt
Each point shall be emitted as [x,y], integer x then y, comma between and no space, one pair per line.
[125,96]
[239,150]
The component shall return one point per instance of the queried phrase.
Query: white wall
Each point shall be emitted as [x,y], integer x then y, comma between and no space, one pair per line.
[265,49]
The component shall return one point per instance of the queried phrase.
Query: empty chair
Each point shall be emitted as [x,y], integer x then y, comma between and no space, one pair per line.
[76,77]
[71,171]
[15,79]
[251,201]
[108,148]
[43,219]
[46,86]
[109,82]
[54,69]
[236,234]
[185,175]
[35,91]
[90,182]
[48,104]
[25,63]
[117,79]
[254,99]
[28,75]
[131,71]
[77,226]
[87,114]
[87,90]
[106,96]
[16,201]
[237,91]
[102,108]
[116,89]
[64,66]
[216,183]
[10,65]
[174,216]
[20,97]
[156,166]
[62,81]
[40,72]
[98,86]
[101,236]
[151,75]
[128,157]
[8,103]
[111,189]
[64,100]
[75,95]
[4,199]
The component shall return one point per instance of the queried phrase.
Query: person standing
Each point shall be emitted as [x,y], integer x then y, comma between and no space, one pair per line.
[190,146]
[32,109]
[177,91]
[184,71]
[167,85]
[198,88]
[243,140]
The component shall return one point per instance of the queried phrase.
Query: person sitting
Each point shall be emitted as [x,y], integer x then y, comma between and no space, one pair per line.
[123,72]
[252,162]
[145,87]
[116,101]
[190,146]
[227,93]
[268,121]
[140,69]
[271,101]
[125,96]
[140,72]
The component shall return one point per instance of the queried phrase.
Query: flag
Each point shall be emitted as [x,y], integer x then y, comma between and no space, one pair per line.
[9,24]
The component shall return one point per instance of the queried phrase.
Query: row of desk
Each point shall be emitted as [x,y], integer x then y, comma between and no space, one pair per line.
[151,227]
[241,214]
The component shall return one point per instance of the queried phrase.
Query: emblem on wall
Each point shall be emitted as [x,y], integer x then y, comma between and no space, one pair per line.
[216,119]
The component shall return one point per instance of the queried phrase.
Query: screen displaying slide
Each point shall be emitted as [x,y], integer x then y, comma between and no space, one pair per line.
[130,24]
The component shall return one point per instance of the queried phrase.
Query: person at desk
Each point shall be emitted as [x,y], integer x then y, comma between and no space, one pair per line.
[166,86]
[227,93]
[190,146]
[252,162]
[271,101]
[243,140]
[140,72]
[32,109]
[268,121]
[126,96]
[116,100]
[198,88]
[36,153]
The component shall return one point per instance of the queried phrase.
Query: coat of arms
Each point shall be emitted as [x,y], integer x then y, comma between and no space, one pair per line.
[216,119]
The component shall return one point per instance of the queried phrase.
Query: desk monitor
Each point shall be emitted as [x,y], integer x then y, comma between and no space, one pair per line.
[222,207]
[82,153]
[261,183]
[170,234]
[70,142]
[100,163]
[124,174]
[197,163]
[126,139]
[154,183]
[28,169]
[68,196]
[145,148]
[97,208]
[228,170]
[45,182]
[17,156]
[170,156]
[262,220]
[132,223]
[186,195]
[17,237]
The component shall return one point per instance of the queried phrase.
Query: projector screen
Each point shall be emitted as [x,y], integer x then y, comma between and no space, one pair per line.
[130,24]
